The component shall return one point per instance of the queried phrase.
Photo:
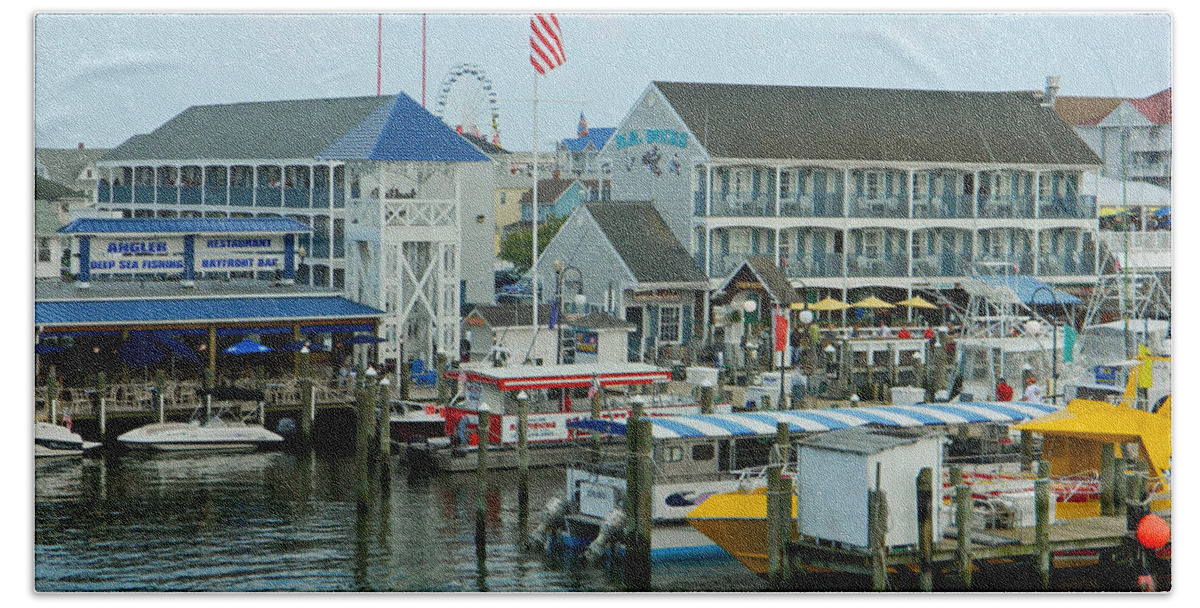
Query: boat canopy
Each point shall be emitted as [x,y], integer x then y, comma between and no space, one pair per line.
[811,421]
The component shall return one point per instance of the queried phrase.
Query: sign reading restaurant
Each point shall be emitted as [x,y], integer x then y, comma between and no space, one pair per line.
[166,254]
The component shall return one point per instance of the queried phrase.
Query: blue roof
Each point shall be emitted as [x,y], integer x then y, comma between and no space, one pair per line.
[812,421]
[162,225]
[596,137]
[402,131]
[198,310]
[1032,291]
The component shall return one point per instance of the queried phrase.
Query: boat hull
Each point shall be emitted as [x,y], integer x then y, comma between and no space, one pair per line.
[53,441]
[183,437]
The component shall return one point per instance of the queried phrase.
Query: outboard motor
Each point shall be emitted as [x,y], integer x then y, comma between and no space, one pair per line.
[612,528]
[551,518]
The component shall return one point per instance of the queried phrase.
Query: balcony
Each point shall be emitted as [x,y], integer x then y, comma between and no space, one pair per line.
[188,195]
[941,266]
[144,193]
[215,195]
[951,206]
[296,198]
[1073,263]
[269,196]
[241,197]
[120,194]
[818,204]
[1080,207]
[1023,262]
[814,265]
[744,205]
[894,265]
[1006,207]
[892,207]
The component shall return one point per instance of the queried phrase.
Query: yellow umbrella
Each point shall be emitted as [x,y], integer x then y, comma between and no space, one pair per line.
[798,306]
[829,304]
[916,302]
[872,302]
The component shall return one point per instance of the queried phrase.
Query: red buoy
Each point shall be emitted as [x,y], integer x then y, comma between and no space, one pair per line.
[1153,532]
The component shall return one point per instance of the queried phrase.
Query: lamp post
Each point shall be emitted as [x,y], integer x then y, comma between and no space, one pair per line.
[748,307]
[806,319]
[558,282]
[1054,341]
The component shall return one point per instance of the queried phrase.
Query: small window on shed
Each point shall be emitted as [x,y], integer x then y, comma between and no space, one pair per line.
[703,452]
[673,454]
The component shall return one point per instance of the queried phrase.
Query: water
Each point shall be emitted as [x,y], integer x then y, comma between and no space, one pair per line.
[281,522]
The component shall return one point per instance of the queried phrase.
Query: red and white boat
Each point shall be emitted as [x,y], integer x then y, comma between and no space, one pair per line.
[557,394]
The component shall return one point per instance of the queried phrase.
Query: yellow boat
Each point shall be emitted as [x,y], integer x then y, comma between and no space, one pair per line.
[736,522]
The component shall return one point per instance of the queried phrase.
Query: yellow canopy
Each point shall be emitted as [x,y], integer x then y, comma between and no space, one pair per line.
[872,302]
[829,304]
[1102,422]
[798,306]
[916,302]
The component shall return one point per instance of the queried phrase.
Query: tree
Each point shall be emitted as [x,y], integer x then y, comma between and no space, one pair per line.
[516,246]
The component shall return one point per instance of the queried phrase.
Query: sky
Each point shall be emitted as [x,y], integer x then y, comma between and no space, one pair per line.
[101,78]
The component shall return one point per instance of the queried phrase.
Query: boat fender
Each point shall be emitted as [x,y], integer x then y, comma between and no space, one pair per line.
[550,518]
[611,528]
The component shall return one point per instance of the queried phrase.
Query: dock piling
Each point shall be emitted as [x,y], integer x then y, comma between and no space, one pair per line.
[1041,493]
[101,391]
[485,423]
[363,424]
[52,396]
[925,528]
[962,521]
[877,516]
[522,467]
[779,511]
[639,480]
[383,434]
[1106,479]
[1119,487]
[160,386]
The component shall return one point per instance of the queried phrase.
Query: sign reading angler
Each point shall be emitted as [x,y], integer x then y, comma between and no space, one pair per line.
[636,137]
[137,255]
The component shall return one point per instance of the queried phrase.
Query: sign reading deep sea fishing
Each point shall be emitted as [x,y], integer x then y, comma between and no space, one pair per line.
[239,253]
[134,255]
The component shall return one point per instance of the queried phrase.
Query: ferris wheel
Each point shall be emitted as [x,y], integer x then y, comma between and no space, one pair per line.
[467,103]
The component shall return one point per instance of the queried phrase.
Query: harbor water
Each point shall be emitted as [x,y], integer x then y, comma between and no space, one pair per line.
[277,521]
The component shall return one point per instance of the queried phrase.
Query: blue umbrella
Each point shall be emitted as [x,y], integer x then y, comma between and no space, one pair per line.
[1162,212]
[246,347]
[140,349]
[45,349]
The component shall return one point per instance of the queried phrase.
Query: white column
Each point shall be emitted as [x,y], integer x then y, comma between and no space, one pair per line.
[1037,249]
[707,250]
[777,188]
[777,249]
[1037,194]
[912,185]
[975,195]
[708,191]
[329,228]
[254,187]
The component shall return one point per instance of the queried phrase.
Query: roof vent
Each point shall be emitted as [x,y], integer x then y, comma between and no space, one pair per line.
[1051,91]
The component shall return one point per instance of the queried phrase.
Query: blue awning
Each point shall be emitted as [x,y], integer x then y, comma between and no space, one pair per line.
[201,310]
[191,225]
[1032,291]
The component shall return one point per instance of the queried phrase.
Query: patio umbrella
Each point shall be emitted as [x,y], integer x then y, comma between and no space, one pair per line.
[363,340]
[829,304]
[246,347]
[872,302]
[141,350]
[46,349]
[916,302]
[1162,212]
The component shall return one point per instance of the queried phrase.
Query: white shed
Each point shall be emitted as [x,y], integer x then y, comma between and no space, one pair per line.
[836,470]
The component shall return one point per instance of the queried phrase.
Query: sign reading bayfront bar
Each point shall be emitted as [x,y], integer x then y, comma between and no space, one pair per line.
[240,253]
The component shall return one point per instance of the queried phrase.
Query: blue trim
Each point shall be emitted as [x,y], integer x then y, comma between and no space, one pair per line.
[957,411]
[921,417]
[289,256]
[189,257]
[671,554]
[337,328]
[243,331]
[729,425]
[868,416]
[165,225]
[85,259]
[201,310]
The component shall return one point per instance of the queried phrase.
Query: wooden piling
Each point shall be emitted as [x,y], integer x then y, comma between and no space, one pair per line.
[383,437]
[522,468]
[308,398]
[638,539]
[160,386]
[1119,487]
[1041,534]
[1106,479]
[52,396]
[485,422]
[706,399]
[925,528]
[597,407]
[779,511]
[962,504]
[877,525]
[1026,451]
[363,423]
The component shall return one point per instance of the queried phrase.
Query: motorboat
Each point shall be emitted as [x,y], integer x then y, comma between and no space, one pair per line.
[213,431]
[51,440]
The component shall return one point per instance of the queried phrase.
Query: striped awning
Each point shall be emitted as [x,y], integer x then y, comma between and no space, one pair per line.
[814,421]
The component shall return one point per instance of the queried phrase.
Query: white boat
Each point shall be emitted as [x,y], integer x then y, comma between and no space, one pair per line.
[51,440]
[214,432]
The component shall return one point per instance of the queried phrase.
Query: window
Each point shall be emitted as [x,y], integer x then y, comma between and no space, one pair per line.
[703,452]
[43,250]
[871,240]
[874,184]
[668,323]
[673,453]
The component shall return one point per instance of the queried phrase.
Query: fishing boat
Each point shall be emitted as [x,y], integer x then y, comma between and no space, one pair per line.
[219,430]
[52,440]
[704,457]
[555,396]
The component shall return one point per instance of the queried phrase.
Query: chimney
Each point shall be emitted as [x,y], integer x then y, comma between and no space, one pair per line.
[1051,91]
[80,145]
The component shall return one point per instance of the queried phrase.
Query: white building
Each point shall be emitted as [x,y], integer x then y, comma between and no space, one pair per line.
[1138,130]
[861,189]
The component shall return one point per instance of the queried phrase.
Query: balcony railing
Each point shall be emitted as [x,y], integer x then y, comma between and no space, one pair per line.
[1069,207]
[1023,262]
[743,206]
[941,266]
[1009,207]
[1074,263]
[812,265]
[945,207]
[819,204]
[861,206]
[895,265]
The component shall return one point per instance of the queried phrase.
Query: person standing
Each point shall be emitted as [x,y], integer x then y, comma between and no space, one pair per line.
[1004,392]
[1033,392]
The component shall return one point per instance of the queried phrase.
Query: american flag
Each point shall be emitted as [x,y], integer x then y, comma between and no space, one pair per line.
[67,418]
[583,132]
[545,42]
[594,388]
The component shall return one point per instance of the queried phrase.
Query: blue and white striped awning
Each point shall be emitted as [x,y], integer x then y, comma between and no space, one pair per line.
[814,421]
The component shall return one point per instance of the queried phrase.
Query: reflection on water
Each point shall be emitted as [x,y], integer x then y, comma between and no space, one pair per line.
[285,522]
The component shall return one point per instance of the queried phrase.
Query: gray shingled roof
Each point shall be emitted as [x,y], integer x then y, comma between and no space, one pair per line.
[548,191]
[644,242]
[269,129]
[64,165]
[843,123]
[773,279]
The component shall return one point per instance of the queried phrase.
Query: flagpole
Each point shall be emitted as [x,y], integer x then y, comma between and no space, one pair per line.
[534,269]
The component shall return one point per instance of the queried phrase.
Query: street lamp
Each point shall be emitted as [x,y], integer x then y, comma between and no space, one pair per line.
[1054,341]
[748,308]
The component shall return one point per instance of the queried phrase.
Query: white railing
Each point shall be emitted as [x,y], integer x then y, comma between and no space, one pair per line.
[1138,241]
